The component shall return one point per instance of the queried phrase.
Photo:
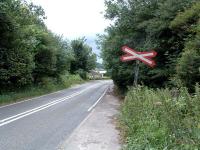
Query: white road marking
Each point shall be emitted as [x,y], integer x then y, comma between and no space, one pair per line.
[97,100]
[62,145]
[37,109]
[30,99]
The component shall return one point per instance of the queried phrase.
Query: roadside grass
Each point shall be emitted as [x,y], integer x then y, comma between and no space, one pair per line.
[161,119]
[47,85]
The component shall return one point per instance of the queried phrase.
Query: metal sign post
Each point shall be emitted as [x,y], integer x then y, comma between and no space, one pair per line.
[136,73]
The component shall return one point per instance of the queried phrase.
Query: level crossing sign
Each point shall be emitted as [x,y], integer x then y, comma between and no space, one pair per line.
[144,57]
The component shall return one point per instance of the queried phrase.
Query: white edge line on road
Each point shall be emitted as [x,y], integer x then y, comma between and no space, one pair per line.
[65,98]
[98,100]
[62,145]
[90,110]
[37,109]
[30,99]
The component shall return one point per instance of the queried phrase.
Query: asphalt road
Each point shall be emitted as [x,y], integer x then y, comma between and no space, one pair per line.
[45,122]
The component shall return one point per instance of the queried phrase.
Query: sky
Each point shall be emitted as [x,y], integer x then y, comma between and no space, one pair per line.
[75,18]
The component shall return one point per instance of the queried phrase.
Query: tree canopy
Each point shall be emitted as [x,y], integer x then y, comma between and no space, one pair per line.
[29,52]
[166,26]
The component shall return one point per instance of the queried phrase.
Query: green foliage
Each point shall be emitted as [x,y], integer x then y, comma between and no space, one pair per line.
[82,74]
[187,68]
[84,58]
[161,119]
[67,80]
[144,25]
[30,53]
[16,63]
[157,118]
[47,85]
[189,15]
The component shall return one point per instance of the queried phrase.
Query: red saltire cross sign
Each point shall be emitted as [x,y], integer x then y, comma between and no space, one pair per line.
[145,57]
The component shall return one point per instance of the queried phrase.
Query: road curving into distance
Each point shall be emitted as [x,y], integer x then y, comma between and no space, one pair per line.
[44,122]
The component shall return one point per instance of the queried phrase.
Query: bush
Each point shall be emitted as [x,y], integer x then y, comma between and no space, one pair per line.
[161,119]
[68,80]
[188,70]
[48,83]
[82,74]
[187,66]
[45,86]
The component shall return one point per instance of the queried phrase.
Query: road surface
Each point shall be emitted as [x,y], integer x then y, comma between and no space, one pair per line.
[45,122]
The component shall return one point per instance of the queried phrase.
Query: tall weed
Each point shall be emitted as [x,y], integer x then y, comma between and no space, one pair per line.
[161,119]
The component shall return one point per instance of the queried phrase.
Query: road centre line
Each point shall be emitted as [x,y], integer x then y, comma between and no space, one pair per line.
[37,109]
[30,99]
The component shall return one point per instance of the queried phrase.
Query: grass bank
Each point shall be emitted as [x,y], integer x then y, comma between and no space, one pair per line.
[161,119]
[48,85]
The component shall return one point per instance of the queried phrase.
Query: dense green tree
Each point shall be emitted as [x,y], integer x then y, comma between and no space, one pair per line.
[16,63]
[143,25]
[52,57]
[29,52]
[188,66]
[45,57]
[64,55]
[84,58]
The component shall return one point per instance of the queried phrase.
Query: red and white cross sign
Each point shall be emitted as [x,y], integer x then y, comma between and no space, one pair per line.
[142,56]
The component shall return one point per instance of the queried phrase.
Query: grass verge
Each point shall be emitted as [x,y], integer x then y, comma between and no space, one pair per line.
[161,119]
[48,85]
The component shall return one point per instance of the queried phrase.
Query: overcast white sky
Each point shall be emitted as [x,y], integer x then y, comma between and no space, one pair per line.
[75,18]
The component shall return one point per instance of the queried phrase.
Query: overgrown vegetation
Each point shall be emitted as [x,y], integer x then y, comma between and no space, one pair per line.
[33,56]
[161,119]
[50,85]
[84,60]
[170,27]
[155,118]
